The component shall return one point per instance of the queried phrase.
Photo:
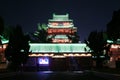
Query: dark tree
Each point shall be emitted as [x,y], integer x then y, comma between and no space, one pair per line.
[97,42]
[17,50]
[49,39]
[41,34]
[1,25]
[7,31]
[74,38]
[113,27]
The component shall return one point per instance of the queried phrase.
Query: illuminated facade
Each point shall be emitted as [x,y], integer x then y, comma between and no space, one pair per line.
[54,56]
[114,56]
[65,56]
[60,27]
[2,55]
[2,49]
[62,53]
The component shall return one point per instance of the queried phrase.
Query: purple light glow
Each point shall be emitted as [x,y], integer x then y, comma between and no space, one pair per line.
[43,61]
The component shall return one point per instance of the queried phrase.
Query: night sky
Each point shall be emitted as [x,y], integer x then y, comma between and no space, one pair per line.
[88,15]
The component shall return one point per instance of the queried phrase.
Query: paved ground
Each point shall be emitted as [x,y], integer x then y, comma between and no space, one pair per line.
[49,75]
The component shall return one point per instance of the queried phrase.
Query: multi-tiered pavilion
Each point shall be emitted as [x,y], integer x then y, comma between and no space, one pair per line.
[60,28]
[62,53]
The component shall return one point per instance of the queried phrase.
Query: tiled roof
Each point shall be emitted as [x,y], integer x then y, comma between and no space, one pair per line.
[59,48]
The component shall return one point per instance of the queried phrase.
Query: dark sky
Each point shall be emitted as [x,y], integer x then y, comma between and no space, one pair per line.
[88,15]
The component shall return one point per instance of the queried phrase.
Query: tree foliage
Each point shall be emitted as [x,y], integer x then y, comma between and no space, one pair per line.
[1,25]
[74,38]
[1,28]
[17,50]
[113,27]
[97,42]
[7,31]
[41,34]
